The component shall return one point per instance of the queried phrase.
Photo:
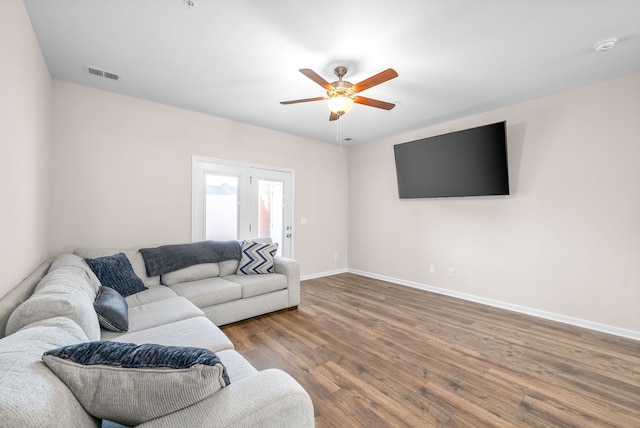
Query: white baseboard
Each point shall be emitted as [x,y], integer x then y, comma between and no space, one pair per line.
[323,274]
[603,328]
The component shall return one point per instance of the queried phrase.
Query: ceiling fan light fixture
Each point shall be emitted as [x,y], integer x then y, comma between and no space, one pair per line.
[340,104]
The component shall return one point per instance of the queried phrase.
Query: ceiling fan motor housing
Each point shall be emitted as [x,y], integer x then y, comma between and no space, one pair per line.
[341,88]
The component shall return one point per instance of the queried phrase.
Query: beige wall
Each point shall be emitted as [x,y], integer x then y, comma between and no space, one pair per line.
[567,240]
[121,174]
[108,170]
[25,129]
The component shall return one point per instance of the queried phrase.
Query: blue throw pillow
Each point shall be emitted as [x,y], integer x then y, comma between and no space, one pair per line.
[131,384]
[116,272]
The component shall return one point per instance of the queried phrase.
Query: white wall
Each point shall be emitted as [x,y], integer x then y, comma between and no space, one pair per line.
[25,128]
[121,175]
[567,240]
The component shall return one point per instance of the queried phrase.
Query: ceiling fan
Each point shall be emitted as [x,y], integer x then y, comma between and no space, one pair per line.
[341,95]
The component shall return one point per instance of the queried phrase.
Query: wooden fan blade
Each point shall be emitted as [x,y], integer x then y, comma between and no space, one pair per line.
[304,100]
[316,78]
[374,103]
[334,116]
[379,78]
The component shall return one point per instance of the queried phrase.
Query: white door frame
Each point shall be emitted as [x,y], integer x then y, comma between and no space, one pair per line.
[201,165]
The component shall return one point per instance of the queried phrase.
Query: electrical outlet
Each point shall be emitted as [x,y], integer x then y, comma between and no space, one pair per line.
[452,272]
[432,268]
[335,256]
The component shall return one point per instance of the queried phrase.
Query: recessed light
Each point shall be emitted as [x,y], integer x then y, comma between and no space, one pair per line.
[190,3]
[605,45]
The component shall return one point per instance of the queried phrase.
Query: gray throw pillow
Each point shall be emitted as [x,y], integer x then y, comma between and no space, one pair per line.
[131,384]
[116,272]
[112,310]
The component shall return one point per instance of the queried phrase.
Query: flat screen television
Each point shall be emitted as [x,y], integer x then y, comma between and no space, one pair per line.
[471,162]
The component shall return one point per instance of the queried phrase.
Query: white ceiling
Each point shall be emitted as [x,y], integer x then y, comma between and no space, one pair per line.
[237,59]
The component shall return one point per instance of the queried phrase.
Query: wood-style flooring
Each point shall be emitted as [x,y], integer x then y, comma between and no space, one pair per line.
[375,354]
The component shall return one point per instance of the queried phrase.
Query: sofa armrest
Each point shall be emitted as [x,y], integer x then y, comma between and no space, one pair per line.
[291,269]
[21,292]
[266,399]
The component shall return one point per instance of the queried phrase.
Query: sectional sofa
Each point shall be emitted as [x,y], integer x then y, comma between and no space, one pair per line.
[60,306]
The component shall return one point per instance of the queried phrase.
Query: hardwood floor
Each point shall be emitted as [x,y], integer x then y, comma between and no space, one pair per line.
[376,354]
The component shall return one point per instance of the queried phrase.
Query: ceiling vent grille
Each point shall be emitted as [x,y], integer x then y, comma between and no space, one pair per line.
[102,73]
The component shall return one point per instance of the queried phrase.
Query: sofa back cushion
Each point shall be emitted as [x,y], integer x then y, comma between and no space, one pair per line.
[65,291]
[71,260]
[191,273]
[134,256]
[228,267]
[30,393]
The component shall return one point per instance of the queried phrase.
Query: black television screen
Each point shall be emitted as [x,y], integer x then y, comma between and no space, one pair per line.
[472,162]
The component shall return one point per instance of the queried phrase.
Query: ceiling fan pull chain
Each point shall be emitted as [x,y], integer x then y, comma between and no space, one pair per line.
[339,137]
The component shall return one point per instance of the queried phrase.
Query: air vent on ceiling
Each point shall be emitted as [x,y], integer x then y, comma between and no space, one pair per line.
[102,73]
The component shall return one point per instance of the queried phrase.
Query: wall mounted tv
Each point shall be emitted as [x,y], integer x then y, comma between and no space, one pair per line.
[471,162]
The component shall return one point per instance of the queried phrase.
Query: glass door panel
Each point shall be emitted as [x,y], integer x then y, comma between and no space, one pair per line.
[272,202]
[221,207]
[271,211]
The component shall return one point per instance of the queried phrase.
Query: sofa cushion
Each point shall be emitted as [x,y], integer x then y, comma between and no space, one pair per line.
[208,292]
[62,292]
[191,273]
[198,331]
[131,384]
[269,398]
[157,313]
[116,272]
[152,294]
[237,366]
[254,285]
[31,395]
[112,310]
[257,258]
[134,256]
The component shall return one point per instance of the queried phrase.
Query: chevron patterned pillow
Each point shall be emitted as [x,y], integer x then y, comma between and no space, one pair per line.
[256,258]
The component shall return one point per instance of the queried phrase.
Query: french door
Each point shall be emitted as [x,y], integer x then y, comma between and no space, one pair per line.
[240,201]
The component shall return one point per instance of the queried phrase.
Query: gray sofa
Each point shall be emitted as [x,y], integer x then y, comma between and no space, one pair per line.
[53,307]
[223,296]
